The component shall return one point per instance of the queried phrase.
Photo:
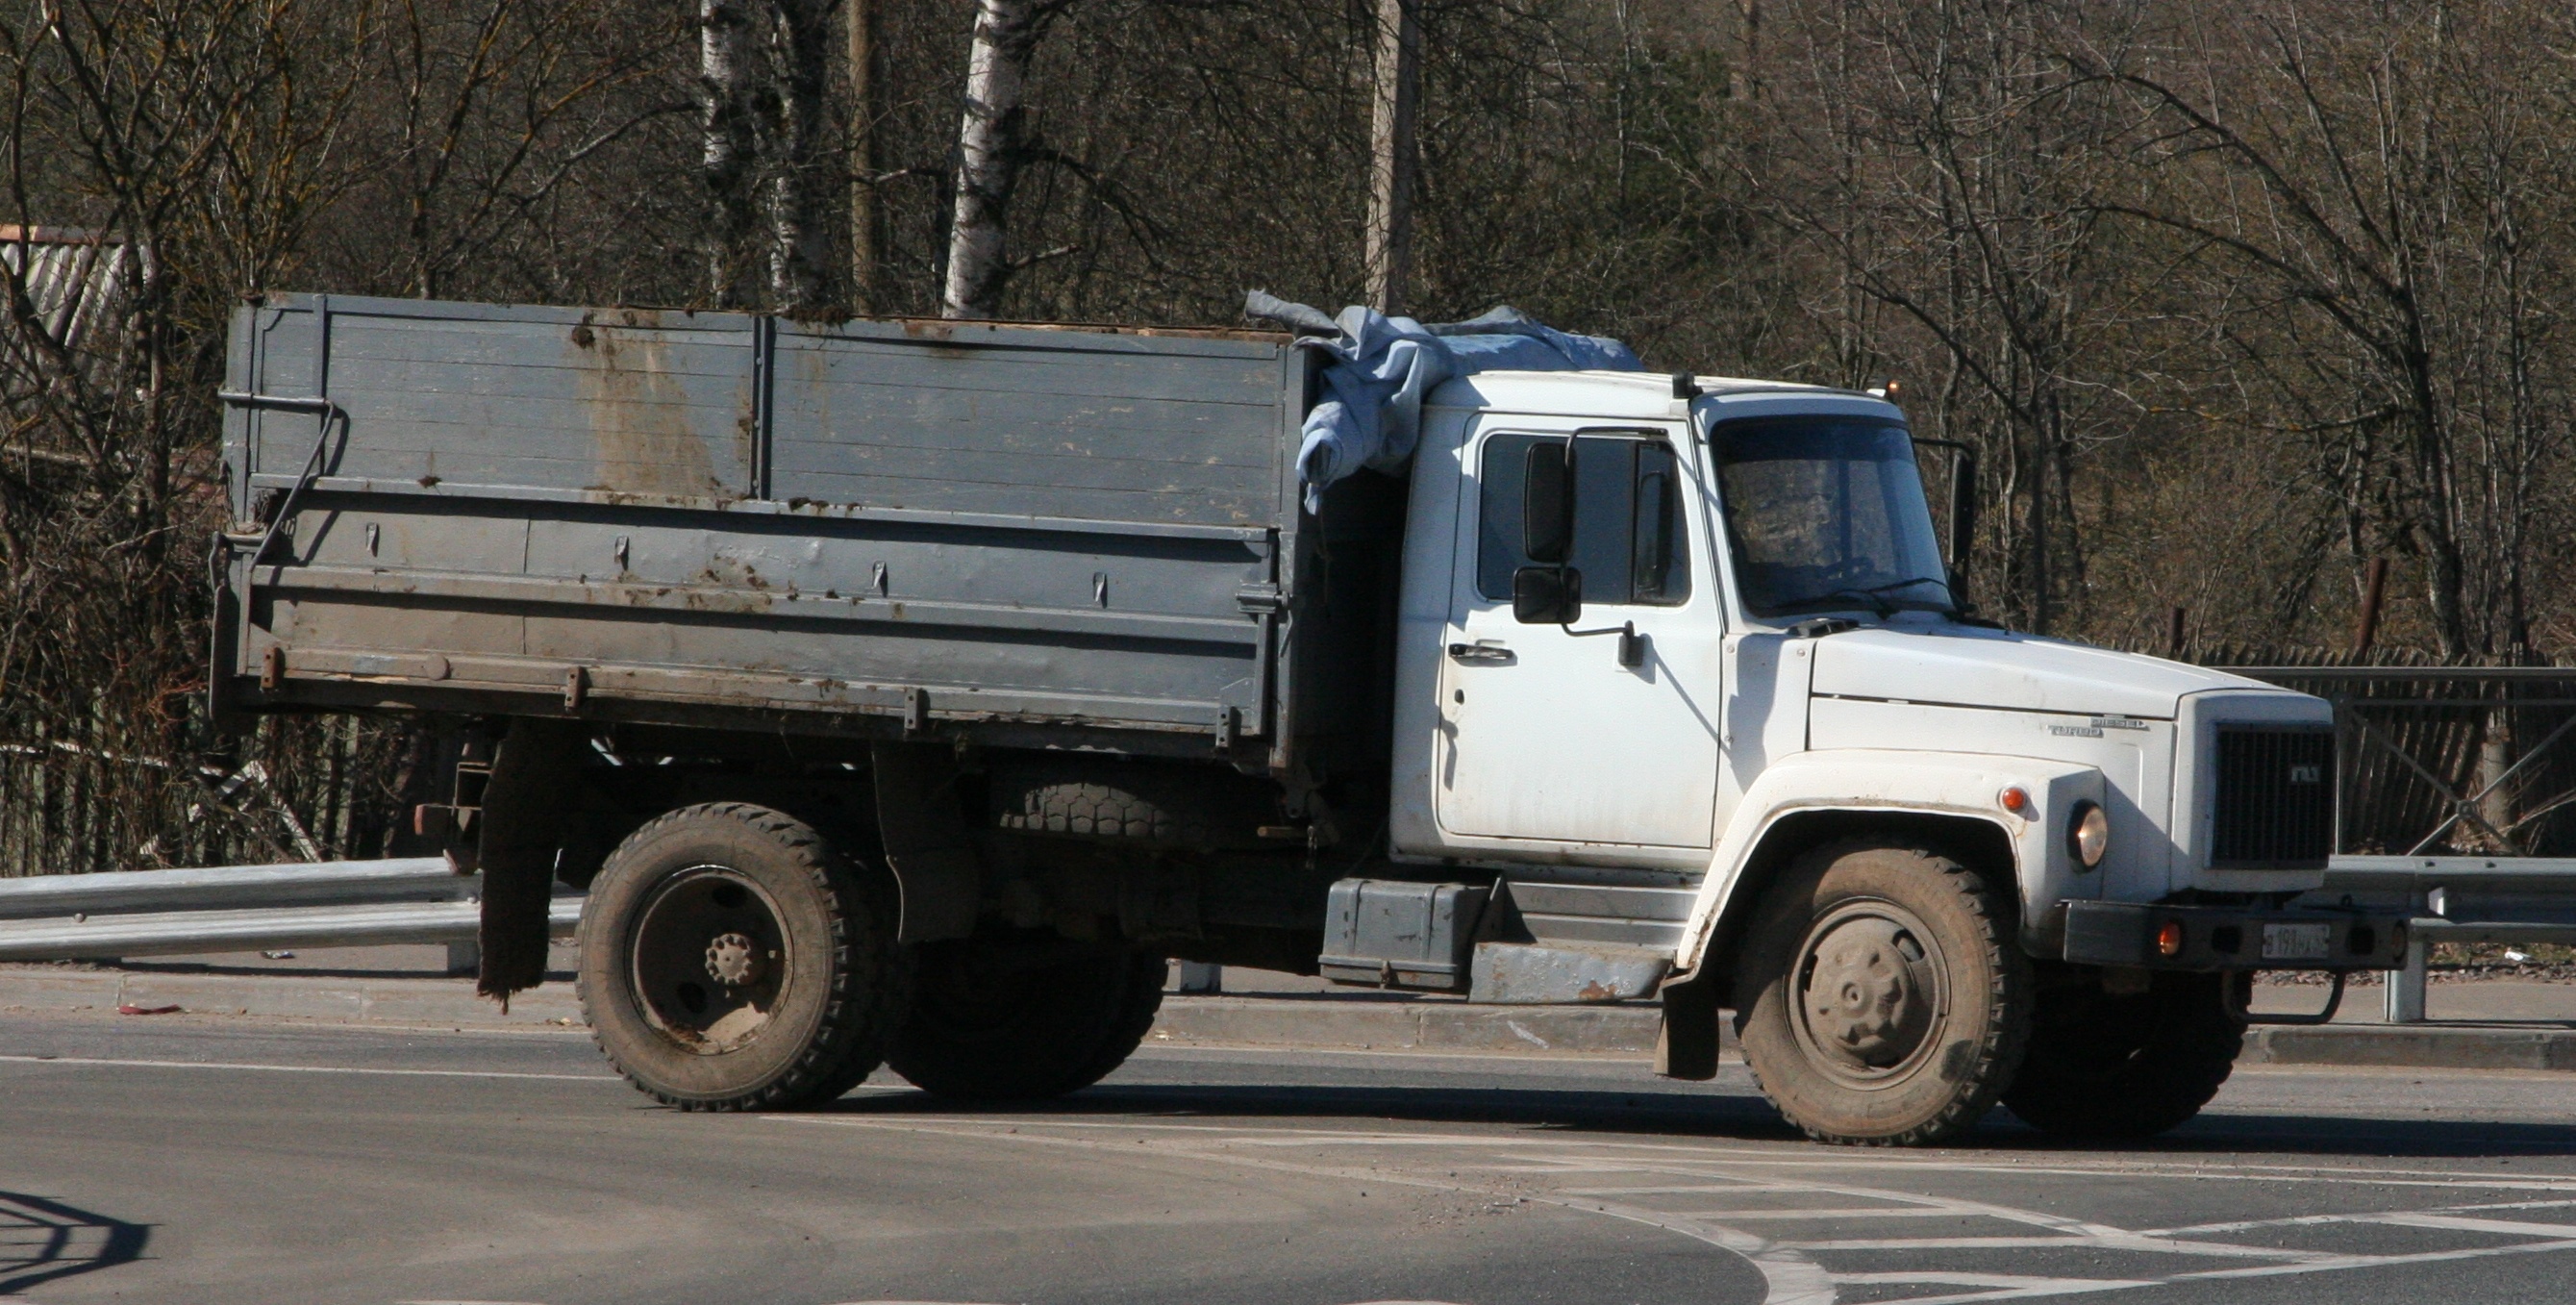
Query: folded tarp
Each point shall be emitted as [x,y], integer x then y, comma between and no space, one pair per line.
[1382,367]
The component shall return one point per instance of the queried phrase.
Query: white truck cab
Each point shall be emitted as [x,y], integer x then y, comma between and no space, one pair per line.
[1682,665]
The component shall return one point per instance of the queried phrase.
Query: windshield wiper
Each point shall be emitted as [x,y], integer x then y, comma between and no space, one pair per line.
[1874,597]
[1880,591]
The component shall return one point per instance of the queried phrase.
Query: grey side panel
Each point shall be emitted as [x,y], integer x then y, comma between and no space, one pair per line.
[617,401]
[992,420]
[989,524]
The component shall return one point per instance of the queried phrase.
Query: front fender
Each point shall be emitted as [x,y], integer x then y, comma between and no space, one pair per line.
[1872,781]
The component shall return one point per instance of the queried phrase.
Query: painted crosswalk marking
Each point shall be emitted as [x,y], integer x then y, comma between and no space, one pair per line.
[1748,1200]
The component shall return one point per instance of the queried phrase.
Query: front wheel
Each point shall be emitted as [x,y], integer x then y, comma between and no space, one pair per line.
[1883,1001]
[2104,1065]
[733,959]
[1000,1023]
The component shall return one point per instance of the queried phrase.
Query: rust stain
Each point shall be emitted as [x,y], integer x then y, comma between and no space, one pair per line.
[639,417]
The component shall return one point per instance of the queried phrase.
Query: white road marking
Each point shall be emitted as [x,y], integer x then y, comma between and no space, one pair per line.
[1755,1184]
[305,1069]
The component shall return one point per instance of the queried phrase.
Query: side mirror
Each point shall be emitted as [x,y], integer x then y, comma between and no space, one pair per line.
[1547,595]
[1547,505]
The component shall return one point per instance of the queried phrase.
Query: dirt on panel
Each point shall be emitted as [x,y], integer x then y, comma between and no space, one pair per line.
[639,413]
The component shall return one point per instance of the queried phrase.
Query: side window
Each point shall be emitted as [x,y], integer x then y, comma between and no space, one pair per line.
[1629,539]
[1660,541]
[1500,477]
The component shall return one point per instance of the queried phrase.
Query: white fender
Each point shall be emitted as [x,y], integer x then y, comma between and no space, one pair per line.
[1884,781]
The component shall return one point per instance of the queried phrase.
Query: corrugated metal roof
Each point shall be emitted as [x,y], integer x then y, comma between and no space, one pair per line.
[73,277]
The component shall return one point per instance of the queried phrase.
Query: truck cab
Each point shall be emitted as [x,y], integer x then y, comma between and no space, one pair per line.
[1670,648]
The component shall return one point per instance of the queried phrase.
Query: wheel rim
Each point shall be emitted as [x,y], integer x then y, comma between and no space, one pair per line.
[710,959]
[1872,994]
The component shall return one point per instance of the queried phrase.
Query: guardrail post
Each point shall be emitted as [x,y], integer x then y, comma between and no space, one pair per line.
[2406,986]
[464,958]
[1200,979]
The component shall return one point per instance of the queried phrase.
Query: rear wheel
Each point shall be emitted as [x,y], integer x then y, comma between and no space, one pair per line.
[1883,1000]
[991,1026]
[733,959]
[2129,1065]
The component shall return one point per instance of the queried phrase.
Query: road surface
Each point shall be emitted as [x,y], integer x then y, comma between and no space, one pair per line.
[204,1160]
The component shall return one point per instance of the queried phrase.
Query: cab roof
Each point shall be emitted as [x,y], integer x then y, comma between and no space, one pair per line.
[1628,394]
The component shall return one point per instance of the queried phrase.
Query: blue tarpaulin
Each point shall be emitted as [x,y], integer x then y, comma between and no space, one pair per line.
[1382,367]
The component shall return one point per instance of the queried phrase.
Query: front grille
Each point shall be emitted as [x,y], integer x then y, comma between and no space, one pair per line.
[2275,799]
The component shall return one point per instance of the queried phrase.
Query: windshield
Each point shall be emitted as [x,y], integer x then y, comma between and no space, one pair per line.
[1827,514]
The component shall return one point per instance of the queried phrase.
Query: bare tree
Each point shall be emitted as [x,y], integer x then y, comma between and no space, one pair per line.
[2364,195]
[729,93]
[1947,161]
[499,107]
[1395,82]
[991,145]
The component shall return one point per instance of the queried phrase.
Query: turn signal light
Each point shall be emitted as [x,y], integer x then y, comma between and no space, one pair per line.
[2169,938]
[2015,800]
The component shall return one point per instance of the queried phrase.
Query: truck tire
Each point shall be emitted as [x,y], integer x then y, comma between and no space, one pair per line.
[733,959]
[1883,1002]
[2125,1066]
[1128,801]
[983,1029]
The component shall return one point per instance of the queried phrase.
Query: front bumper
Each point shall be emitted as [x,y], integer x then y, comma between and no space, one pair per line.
[2232,938]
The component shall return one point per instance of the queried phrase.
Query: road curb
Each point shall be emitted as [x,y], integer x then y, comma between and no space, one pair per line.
[2487,1046]
[1353,1022]
[328,999]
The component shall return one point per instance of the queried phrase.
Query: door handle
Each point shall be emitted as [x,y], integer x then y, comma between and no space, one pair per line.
[1482,654]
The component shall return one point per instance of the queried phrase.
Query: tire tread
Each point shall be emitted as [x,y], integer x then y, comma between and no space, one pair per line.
[2006,1039]
[855,1025]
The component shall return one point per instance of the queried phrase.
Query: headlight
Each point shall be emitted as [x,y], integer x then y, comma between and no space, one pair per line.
[2088,835]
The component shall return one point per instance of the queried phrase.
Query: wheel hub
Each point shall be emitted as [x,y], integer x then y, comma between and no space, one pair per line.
[1869,998]
[734,960]
[708,960]
[1861,997]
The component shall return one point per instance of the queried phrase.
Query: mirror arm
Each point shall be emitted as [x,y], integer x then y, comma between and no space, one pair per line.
[1632,645]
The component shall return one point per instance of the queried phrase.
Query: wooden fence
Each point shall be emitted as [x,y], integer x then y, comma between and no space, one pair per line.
[298,789]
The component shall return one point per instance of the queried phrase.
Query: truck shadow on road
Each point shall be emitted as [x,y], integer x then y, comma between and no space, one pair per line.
[1739,1116]
[44,1240]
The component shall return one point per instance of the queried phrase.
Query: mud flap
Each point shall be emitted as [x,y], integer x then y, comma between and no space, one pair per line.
[522,825]
[926,844]
[1686,1046]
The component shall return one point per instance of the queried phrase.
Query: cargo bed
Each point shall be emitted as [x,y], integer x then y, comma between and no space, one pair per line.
[1040,536]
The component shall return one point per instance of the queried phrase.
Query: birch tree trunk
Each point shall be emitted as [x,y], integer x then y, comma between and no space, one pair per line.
[727,116]
[800,238]
[989,144]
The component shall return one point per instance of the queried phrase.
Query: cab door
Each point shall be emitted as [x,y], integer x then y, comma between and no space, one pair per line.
[1605,729]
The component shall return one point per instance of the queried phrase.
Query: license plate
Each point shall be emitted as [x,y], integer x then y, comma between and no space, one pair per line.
[2297,942]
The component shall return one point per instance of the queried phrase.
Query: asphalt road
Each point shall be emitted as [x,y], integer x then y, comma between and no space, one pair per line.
[179,1159]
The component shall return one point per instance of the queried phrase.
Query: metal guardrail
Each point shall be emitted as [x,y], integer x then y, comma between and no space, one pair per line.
[426,879]
[2456,899]
[246,908]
